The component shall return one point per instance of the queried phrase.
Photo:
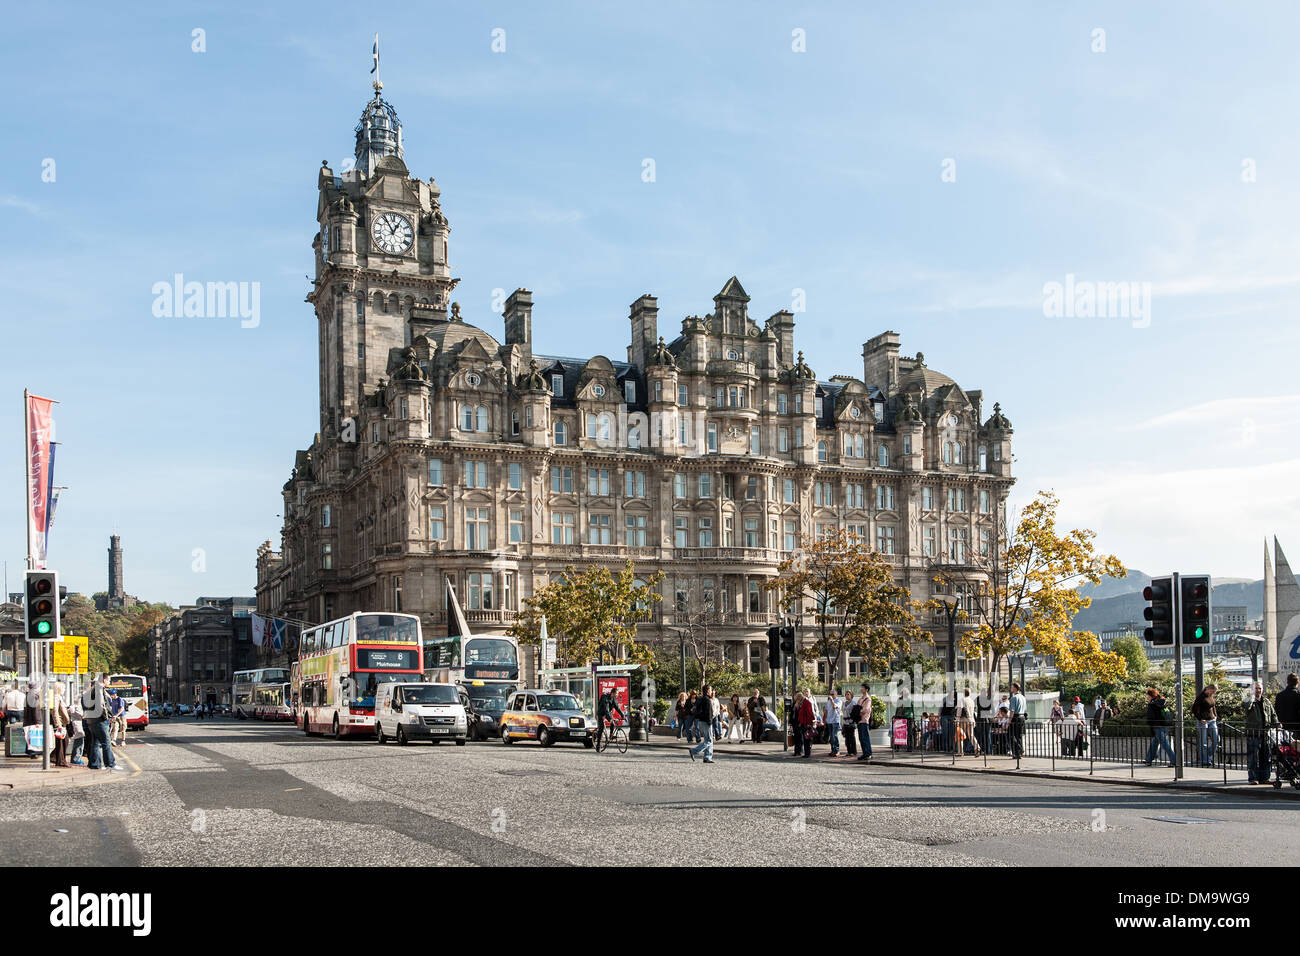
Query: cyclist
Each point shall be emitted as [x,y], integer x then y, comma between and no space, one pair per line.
[607,706]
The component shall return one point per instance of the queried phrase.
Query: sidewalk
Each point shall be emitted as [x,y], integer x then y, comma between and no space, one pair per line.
[24,773]
[1195,779]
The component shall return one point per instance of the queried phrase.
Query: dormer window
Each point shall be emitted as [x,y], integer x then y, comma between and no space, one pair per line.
[880,411]
[629,391]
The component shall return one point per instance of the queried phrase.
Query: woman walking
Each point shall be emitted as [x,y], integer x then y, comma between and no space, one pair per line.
[59,722]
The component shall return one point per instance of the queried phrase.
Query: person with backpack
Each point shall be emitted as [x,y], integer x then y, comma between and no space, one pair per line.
[94,707]
[861,714]
[1159,721]
[849,725]
[704,725]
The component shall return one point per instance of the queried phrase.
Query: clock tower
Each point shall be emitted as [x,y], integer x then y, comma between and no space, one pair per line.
[382,272]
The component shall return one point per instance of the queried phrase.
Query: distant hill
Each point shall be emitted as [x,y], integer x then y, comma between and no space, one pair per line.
[1121,608]
[1113,587]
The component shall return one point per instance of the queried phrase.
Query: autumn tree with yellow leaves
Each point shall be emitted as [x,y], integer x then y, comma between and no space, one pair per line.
[591,613]
[1026,595]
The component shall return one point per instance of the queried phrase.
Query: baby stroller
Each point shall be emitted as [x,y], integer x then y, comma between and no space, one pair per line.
[1285,757]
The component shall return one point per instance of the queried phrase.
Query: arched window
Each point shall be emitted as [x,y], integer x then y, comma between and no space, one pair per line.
[882,456]
[561,434]
[467,418]
[947,452]
[606,428]
[361,307]
[634,438]
[859,449]
[956,453]
[481,419]
[821,451]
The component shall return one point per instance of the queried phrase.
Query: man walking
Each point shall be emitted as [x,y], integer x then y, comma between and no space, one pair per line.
[831,718]
[704,725]
[1261,716]
[94,707]
[863,720]
[1159,720]
[117,719]
[1016,707]
[849,725]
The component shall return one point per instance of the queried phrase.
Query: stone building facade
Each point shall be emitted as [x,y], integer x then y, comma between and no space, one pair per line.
[708,452]
[194,652]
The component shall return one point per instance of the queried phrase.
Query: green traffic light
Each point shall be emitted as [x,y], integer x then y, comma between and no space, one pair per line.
[43,627]
[1200,633]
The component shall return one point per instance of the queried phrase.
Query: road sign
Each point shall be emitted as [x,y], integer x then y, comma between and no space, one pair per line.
[71,654]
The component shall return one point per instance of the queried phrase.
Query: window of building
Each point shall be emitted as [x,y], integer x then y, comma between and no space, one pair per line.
[907,444]
[476,474]
[528,416]
[634,438]
[823,494]
[435,472]
[561,433]
[704,531]
[798,403]
[798,436]
[681,531]
[659,391]
[984,457]
[885,539]
[854,495]
[467,418]
[773,535]
[599,530]
[707,598]
[791,534]
[705,485]
[753,440]
[755,597]
[751,488]
[325,516]
[728,531]
[480,590]
[516,517]
[882,456]
[437,522]
[561,480]
[598,482]
[947,453]
[783,440]
[634,484]
[821,451]
[956,499]
[476,529]
[629,391]
[326,556]
[957,539]
[509,593]
[514,421]
[817,406]
[885,497]
[681,594]
[782,403]
[931,541]
[927,498]
[787,490]
[729,487]
[636,528]
[562,527]
[679,485]
[516,475]
[403,409]
[712,435]
[557,384]
[986,502]
[683,395]
[986,543]
[752,539]
[956,453]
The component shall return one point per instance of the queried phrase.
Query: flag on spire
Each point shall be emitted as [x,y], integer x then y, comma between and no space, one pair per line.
[374,55]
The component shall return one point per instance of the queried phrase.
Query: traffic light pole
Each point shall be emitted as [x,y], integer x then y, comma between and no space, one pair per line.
[1177,613]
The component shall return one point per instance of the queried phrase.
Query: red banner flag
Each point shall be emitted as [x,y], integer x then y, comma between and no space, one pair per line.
[40,435]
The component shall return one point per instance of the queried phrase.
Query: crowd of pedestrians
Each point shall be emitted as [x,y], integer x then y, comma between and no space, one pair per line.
[84,728]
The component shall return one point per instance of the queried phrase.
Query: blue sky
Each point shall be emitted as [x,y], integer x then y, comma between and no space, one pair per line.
[817,170]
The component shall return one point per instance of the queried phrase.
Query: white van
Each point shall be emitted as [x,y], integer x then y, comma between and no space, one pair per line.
[434,712]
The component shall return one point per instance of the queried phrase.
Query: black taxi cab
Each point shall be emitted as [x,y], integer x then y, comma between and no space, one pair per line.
[546,716]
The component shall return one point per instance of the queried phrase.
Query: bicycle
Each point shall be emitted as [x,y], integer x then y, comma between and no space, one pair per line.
[614,736]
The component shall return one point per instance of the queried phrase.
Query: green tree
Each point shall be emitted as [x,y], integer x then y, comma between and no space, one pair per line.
[1130,648]
[857,606]
[590,613]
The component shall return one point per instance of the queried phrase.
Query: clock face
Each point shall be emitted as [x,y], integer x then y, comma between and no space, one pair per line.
[392,233]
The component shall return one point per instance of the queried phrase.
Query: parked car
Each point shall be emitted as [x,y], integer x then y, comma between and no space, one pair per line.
[546,716]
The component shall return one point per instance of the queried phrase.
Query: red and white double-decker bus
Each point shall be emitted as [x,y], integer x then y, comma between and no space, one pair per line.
[341,662]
